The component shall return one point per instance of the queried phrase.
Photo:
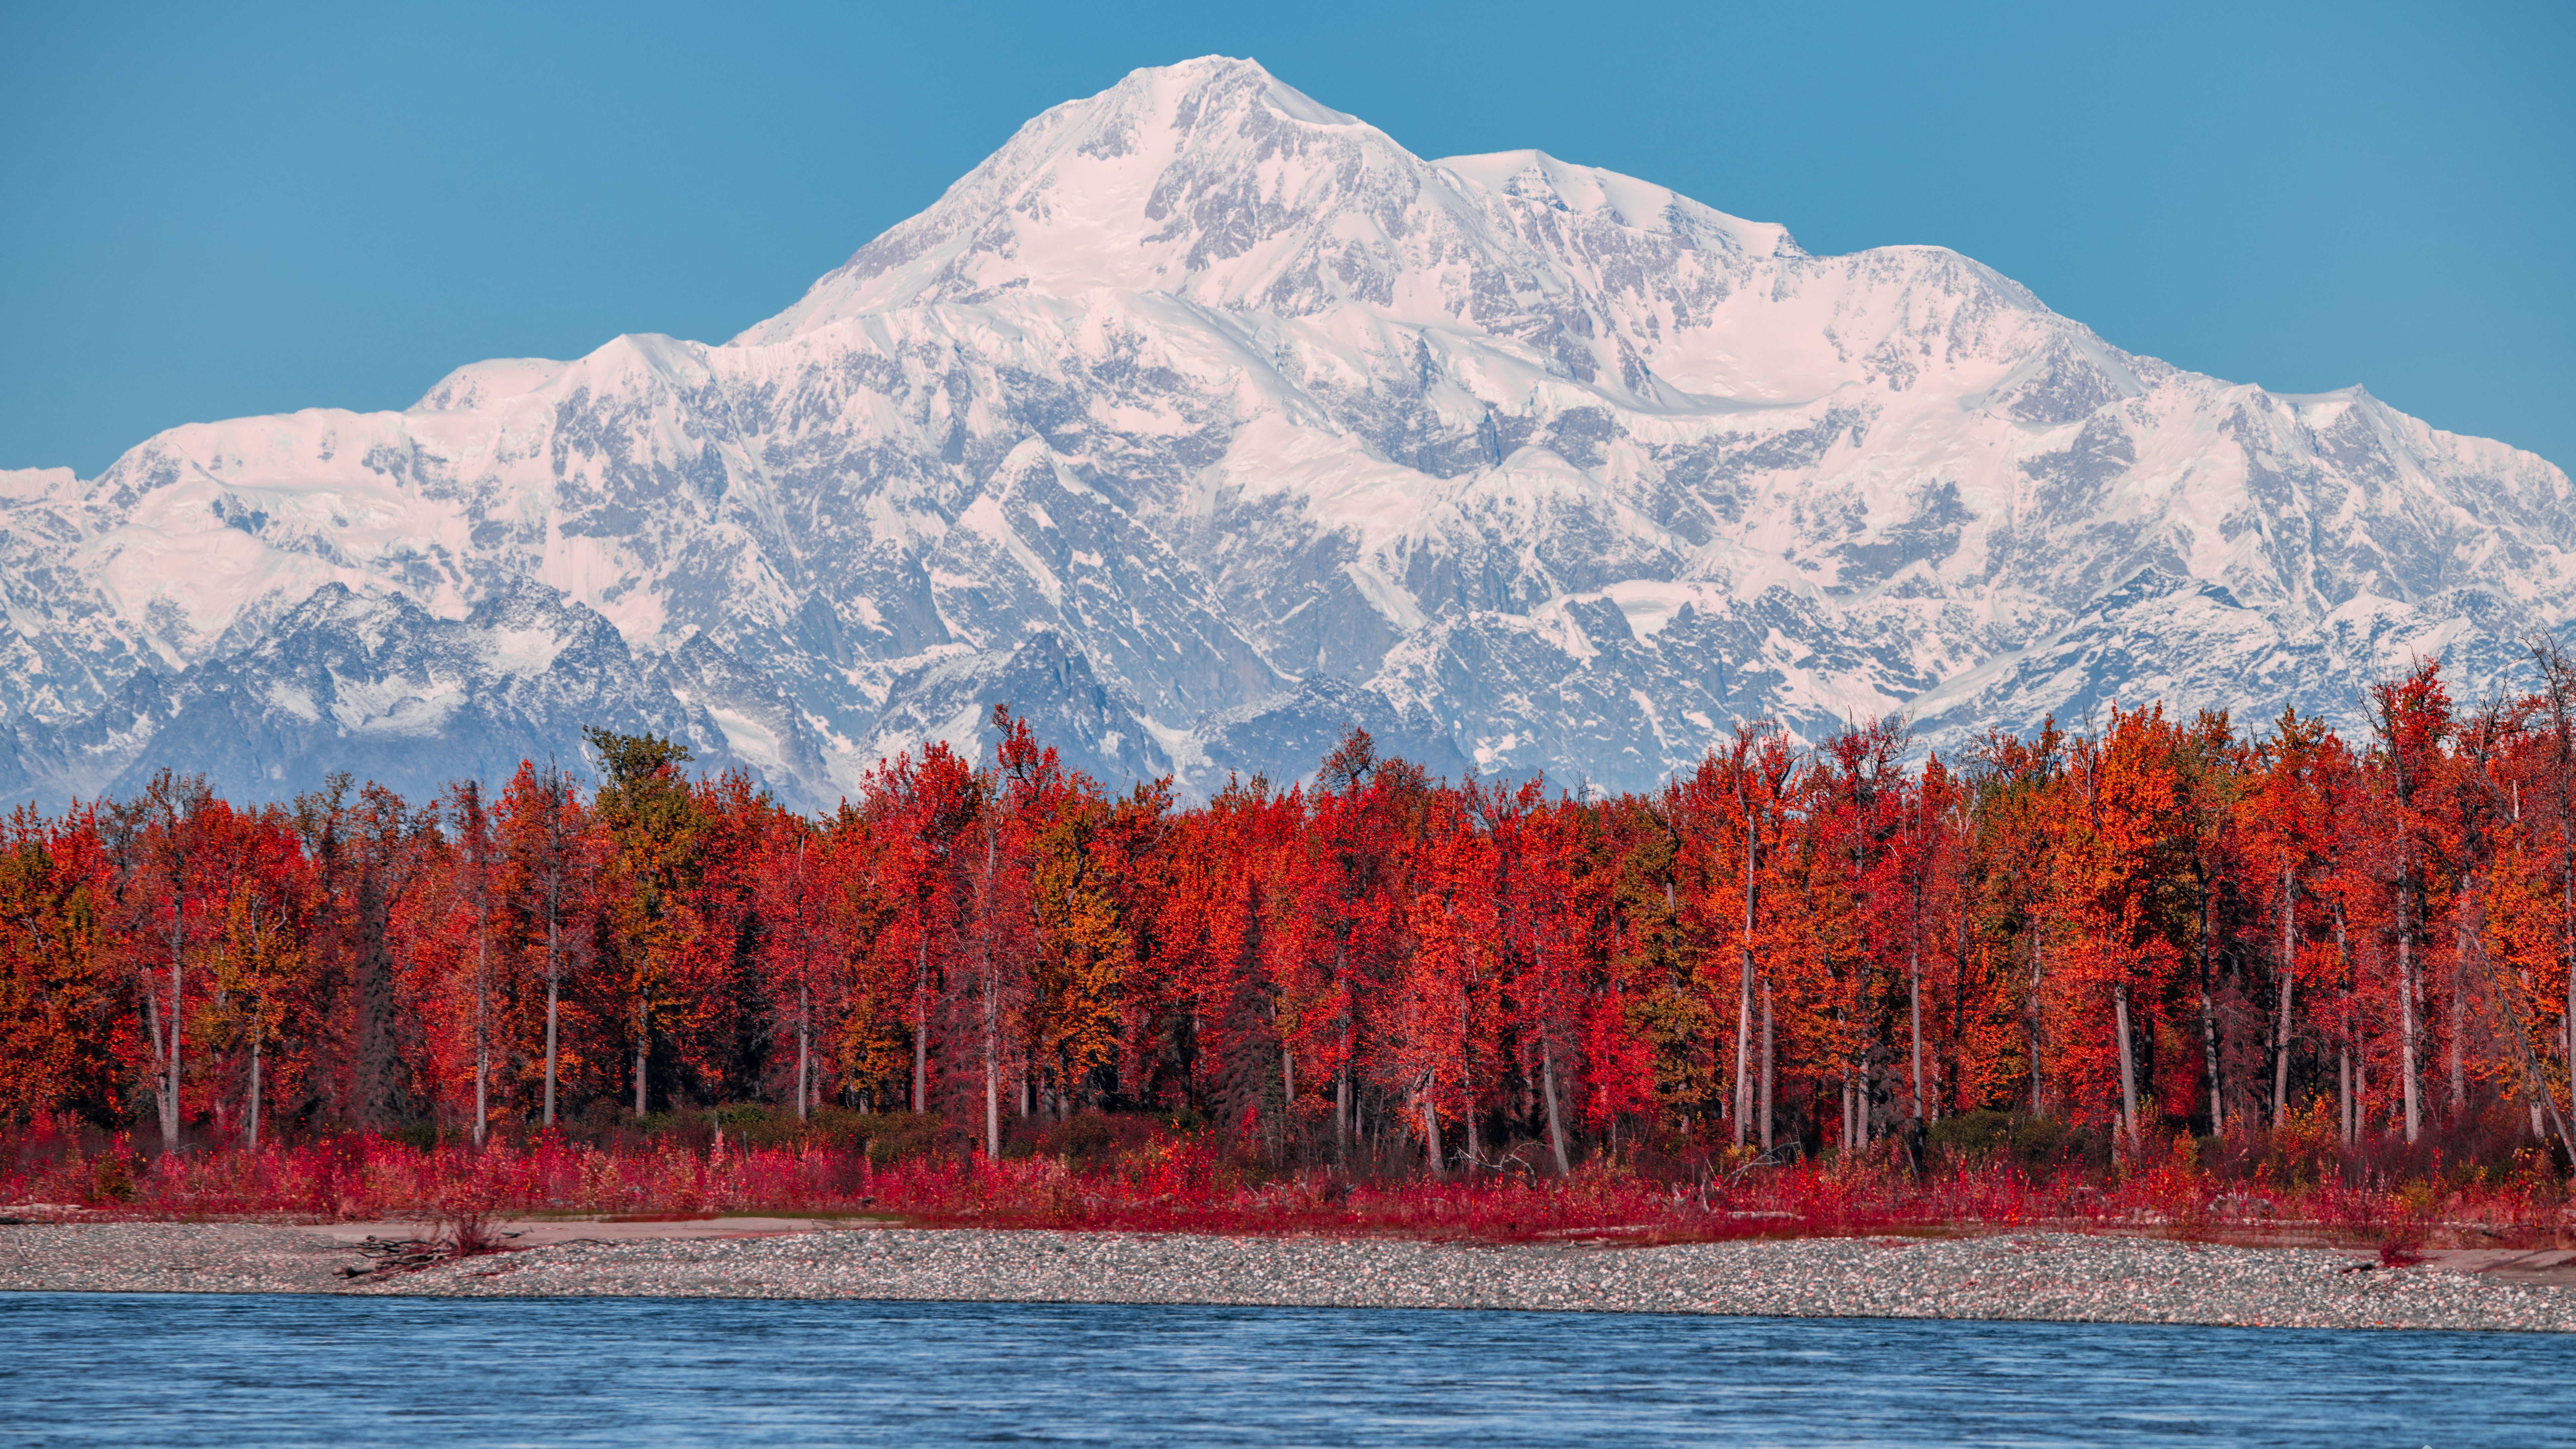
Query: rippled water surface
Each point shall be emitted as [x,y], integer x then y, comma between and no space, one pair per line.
[342,1371]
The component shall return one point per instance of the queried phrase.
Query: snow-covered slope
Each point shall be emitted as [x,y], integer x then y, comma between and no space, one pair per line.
[1203,420]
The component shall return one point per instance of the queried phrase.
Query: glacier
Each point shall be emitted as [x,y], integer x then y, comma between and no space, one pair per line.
[1201,421]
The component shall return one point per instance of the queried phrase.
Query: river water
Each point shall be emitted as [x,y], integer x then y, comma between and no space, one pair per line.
[180,1369]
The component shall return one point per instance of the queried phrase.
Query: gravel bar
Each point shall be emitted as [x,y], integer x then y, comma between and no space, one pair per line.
[2048,1277]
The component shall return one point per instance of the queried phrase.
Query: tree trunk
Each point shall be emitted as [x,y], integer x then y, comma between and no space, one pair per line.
[2036,1021]
[1343,1108]
[804,1046]
[804,990]
[554,1000]
[2542,1100]
[2406,1022]
[2570,1058]
[921,1027]
[2360,1096]
[160,1052]
[2554,670]
[1467,1114]
[554,871]
[2343,1092]
[1556,1124]
[2453,1050]
[2209,1057]
[482,1026]
[1942,1099]
[1744,986]
[2209,1028]
[254,1091]
[1431,1122]
[2128,1069]
[992,987]
[2566,774]
[643,1043]
[1767,1064]
[1914,1004]
[2289,988]
[1743,1045]
[992,1081]
[178,995]
[555,988]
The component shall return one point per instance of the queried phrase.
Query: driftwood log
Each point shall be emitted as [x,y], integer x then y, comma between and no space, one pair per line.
[410,1255]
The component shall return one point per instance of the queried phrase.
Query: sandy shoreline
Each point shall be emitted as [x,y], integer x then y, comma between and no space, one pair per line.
[2046,1277]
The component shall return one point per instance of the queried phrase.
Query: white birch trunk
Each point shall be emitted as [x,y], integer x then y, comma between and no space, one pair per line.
[554,996]
[2343,1092]
[2406,1024]
[1431,1122]
[992,1079]
[1744,980]
[554,985]
[2209,1027]
[643,1044]
[2289,985]
[482,1027]
[2128,1069]
[178,994]
[921,1025]
[1914,990]
[2038,966]
[2453,1051]
[1767,1063]
[992,1015]
[1555,1123]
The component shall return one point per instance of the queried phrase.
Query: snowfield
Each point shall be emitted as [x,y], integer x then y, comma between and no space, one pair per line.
[1202,420]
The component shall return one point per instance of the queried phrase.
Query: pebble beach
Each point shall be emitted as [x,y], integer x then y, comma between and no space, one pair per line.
[2041,1277]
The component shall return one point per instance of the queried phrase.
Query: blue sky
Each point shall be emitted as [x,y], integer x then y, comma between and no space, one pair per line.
[204,214]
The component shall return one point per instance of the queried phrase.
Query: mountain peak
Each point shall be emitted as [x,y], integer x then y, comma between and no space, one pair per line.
[1195,178]
[1215,182]
[1248,74]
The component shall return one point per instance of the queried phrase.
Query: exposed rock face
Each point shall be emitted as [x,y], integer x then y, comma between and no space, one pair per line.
[1201,421]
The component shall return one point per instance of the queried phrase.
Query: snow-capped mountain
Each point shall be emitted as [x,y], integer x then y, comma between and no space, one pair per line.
[1202,420]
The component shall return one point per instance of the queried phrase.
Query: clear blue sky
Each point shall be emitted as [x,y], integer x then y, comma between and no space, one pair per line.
[211,211]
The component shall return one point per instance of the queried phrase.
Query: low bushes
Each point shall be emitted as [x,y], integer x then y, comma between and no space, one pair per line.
[1139,1172]
[2005,1139]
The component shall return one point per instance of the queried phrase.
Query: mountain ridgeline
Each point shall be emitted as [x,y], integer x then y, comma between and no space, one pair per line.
[1202,422]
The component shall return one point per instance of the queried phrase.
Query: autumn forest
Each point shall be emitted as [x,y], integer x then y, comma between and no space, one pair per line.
[2143,927]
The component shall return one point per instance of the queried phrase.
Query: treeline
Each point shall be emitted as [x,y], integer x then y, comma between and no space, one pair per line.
[2148,926]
